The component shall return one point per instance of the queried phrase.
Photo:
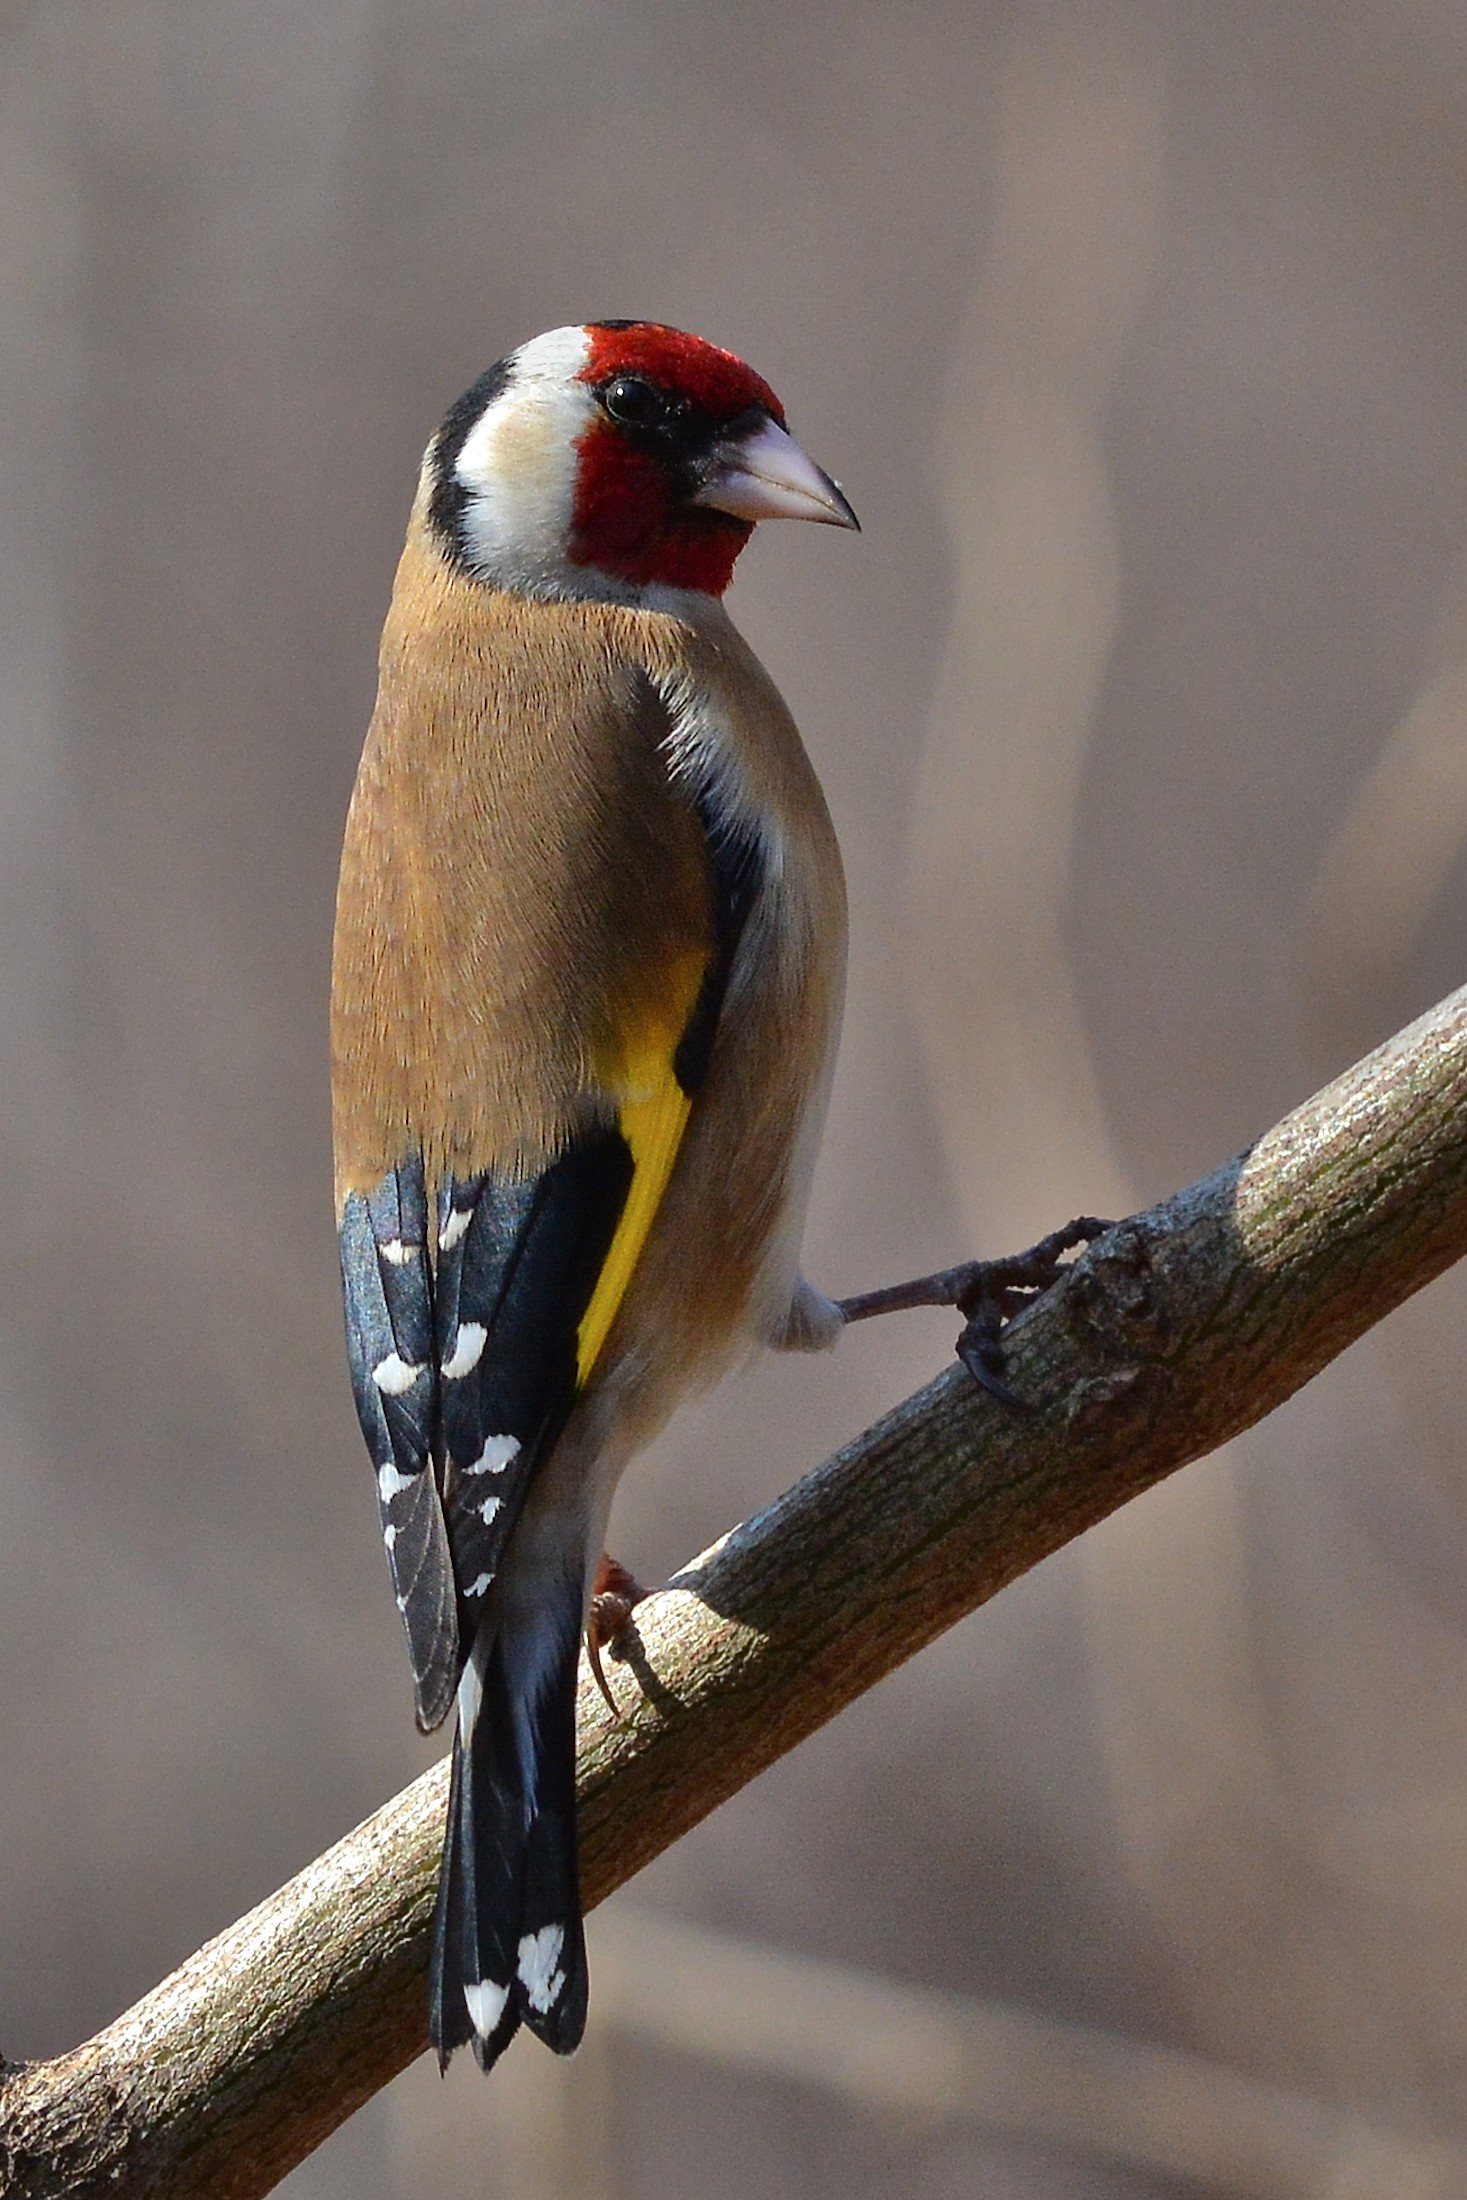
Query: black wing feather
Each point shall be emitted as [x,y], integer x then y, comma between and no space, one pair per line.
[521,1270]
[387,1285]
[463,1361]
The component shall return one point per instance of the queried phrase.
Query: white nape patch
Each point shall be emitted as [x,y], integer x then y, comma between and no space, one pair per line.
[389,1536]
[470,1696]
[499,1452]
[468,1346]
[458,1221]
[539,1953]
[391,1484]
[399,1251]
[394,1375]
[477,1588]
[485,2002]
[489,1508]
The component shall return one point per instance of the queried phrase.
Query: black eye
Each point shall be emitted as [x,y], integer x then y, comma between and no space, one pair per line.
[635,403]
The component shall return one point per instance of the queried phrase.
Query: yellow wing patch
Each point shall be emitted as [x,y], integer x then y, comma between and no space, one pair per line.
[653,1127]
[652,1116]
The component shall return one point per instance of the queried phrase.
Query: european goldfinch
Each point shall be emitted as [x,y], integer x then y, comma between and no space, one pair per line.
[589,955]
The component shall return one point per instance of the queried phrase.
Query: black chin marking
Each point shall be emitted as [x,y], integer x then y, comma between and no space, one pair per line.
[449,497]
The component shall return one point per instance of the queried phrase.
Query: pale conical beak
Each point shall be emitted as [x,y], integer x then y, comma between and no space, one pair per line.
[763,474]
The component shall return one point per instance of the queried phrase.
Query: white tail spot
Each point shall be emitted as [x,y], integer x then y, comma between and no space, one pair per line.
[470,1696]
[485,2003]
[458,1221]
[394,1375]
[468,1347]
[539,1953]
[499,1452]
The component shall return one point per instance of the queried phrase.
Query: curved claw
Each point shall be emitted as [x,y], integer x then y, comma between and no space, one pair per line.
[977,1352]
[593,1659]
[615,1595]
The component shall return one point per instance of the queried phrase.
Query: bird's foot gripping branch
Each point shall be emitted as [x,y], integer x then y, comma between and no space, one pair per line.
[989,1293]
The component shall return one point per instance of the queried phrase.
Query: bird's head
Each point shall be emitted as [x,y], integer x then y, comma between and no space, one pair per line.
[616,462]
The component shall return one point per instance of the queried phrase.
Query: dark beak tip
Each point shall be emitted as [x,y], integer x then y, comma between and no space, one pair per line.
[845,516]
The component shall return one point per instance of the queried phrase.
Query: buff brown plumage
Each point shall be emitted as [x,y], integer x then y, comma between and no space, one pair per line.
[587,981]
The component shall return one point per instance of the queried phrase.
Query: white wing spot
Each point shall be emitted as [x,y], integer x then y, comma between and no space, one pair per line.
[389,1536]
[399,1251]
[539,1954]
[489,1508]
[391,1484]
[485,2003]
[468,1346]
[499,1452]
[395,1374]
[458,1221]
[477,1588]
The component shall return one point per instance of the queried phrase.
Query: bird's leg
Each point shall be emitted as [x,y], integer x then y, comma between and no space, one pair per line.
[615,1595]
[989,1293]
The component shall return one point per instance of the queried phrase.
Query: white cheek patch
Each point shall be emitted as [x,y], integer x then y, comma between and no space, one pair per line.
[518,464]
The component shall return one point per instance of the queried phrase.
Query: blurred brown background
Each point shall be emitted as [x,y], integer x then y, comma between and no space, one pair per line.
[1138,335]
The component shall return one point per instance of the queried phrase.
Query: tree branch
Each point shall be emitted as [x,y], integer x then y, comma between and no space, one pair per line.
[1183,1326]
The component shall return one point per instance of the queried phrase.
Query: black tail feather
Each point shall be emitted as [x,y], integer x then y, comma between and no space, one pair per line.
[508,1946]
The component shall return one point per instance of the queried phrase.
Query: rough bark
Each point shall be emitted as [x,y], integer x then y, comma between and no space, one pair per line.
[1181,1327]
